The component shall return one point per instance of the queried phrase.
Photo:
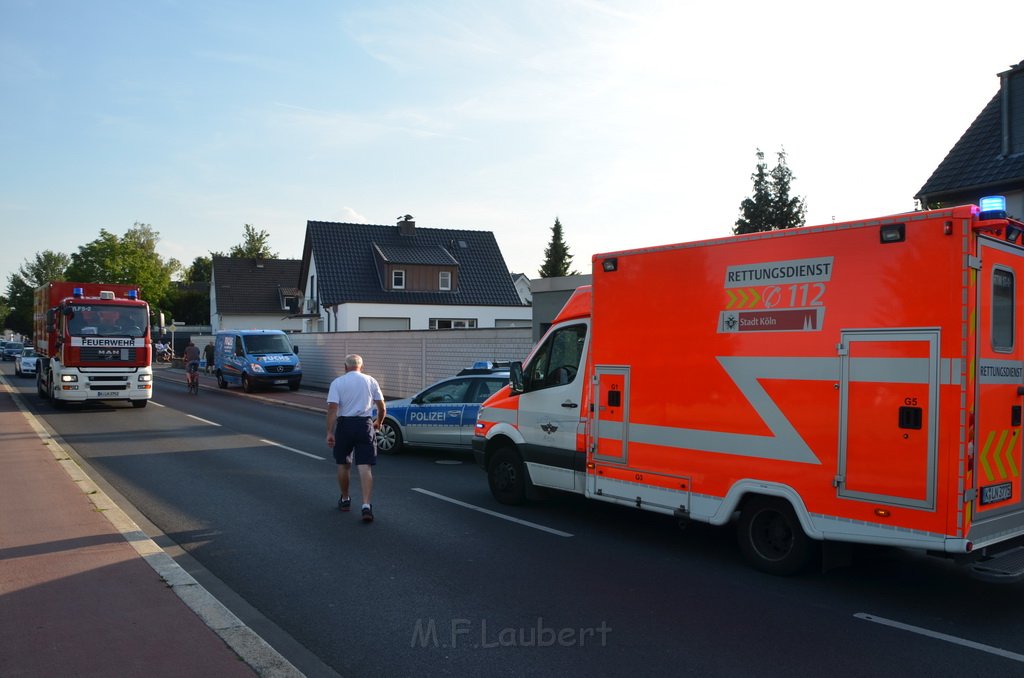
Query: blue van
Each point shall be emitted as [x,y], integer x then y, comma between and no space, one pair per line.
[255,358]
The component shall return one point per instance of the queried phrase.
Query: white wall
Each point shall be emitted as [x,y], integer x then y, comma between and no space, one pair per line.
[347,315]
[256,322]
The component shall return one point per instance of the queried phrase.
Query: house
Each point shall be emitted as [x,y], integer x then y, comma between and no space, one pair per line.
[403,277]
[989,157]
[255,294]
[522,284]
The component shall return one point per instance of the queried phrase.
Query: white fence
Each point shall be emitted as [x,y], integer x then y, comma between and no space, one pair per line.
[403,362]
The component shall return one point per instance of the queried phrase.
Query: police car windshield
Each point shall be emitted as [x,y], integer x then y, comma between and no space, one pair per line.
[267,343]
[107,321]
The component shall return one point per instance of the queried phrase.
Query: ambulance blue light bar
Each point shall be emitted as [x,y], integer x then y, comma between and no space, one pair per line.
[992,207]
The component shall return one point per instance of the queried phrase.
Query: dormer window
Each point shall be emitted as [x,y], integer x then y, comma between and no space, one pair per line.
[398,279]
[444,280]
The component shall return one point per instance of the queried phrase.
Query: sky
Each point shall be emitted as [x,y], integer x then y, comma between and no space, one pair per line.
[634,122]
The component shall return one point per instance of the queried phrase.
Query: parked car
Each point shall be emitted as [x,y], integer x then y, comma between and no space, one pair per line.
[12,349]
[441,415]
[25,364]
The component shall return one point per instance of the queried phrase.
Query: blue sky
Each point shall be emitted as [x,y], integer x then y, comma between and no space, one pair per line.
[634,122]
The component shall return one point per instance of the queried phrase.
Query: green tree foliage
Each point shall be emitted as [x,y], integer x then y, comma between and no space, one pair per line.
[46,266]
[557,259]
[200,270]
[131,259]
[255,245]
[771,207]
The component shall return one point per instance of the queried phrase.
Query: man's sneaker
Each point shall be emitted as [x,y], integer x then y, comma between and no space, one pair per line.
[345,504]
[367,514]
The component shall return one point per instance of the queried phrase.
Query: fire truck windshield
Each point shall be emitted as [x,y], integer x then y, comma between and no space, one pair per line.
[107,321]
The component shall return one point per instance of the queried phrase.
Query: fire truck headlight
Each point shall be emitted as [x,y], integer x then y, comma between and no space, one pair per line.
[67,378]
[145,377]
[256,367]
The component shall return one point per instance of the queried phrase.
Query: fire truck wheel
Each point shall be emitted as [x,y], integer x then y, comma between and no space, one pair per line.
[139,403]
[507,477]
[771,539]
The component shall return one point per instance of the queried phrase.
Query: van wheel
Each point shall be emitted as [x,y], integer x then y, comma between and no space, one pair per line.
[389,438]
[506,476]
[293,385]
[771,538]
[220,380]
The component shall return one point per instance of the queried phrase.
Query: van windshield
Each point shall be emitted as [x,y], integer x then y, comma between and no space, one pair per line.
[267,343]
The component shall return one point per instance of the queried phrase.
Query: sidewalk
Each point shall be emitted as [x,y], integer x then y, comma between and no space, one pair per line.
[84,592]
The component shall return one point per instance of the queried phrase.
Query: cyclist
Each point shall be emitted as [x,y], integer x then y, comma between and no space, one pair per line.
[191,360]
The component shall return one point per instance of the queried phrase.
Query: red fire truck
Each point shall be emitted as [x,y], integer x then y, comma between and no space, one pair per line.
[93,343]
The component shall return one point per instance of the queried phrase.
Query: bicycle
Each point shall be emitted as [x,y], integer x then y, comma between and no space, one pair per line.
[192,378]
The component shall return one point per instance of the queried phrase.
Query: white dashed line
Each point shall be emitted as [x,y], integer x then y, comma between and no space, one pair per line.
[291,449]
[463,504]
[941,636]
[205,421]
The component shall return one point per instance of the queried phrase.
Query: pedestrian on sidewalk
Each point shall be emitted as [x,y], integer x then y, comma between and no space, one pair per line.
[208,356]
[352,431]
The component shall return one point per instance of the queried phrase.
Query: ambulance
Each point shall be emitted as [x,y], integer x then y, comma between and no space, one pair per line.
[826,385]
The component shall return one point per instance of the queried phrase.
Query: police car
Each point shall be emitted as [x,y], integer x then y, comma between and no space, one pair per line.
[443,414]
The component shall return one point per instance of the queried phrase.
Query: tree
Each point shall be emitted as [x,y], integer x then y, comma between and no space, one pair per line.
[131,259]
[557,259]
[756,211]
[254,245]
[772,207]
[200,270]
[45,267]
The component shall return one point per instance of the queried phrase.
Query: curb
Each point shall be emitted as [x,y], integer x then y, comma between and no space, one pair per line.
[249,646]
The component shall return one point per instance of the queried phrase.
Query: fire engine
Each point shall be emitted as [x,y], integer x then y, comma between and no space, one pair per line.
[93,343]
[853,382]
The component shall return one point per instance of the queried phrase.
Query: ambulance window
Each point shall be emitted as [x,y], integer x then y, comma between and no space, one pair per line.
[1002,309]
[557,361]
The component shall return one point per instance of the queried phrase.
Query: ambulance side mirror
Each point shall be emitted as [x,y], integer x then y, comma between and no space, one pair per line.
[515,377]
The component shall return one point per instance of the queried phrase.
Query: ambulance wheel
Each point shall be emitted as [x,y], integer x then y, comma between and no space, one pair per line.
[771,538]
[389,438]
[506,476]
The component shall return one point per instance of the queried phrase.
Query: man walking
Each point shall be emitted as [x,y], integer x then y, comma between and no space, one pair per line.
[352,432]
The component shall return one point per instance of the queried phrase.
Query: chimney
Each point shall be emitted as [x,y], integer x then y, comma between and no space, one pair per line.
[406,226]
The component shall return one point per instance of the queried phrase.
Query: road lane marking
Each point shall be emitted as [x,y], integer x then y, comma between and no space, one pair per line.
[941,636]
[205,421]
[492,513]
[153,402]
[291,449]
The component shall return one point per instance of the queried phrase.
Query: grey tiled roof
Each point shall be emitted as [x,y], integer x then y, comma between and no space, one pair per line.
[976,160]
[253,285]
[347,266]
[433,255]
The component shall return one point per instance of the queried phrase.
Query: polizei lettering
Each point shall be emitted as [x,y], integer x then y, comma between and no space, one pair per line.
[818,269]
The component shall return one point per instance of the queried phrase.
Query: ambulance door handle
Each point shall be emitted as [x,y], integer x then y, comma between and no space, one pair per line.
[569,403]
[1020,390]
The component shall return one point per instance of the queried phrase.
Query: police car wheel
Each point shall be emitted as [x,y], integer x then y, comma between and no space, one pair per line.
[507,477]
[389,438]
[771,538]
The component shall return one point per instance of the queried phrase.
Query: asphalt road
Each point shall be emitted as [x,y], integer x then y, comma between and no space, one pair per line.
[448,582]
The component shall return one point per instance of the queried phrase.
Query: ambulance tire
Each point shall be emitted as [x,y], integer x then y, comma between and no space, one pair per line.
[771,538]
[506,476]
